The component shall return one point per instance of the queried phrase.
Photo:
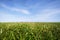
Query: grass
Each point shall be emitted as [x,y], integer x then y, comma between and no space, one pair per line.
[30,31]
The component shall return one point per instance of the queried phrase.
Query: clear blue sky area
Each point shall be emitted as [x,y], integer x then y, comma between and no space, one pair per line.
[29,10]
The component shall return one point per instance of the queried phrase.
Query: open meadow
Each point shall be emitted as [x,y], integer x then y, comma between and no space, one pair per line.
[30,31]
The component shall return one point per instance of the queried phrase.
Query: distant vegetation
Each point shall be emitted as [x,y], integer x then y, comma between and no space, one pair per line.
[29,31]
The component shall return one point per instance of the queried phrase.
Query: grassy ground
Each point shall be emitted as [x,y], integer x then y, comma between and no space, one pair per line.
[30,31]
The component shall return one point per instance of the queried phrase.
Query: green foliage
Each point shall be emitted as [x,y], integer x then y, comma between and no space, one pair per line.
[30,31]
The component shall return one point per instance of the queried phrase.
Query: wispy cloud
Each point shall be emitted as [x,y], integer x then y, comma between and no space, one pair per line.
[47,14]
[24,11]
[6,17]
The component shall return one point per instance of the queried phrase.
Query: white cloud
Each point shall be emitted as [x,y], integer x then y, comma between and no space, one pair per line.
[6,17]
[16,9]
[44,15]
[21,10]
[47,14]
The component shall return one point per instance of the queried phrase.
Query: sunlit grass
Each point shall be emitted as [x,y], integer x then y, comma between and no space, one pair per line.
[30,31]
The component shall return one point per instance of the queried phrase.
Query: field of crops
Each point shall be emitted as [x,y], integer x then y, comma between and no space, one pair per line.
[29,31]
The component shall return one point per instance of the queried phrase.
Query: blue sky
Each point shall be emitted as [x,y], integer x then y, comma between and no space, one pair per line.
[29,10]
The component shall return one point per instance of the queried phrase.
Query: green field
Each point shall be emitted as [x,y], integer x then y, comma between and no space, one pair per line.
[30,31]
